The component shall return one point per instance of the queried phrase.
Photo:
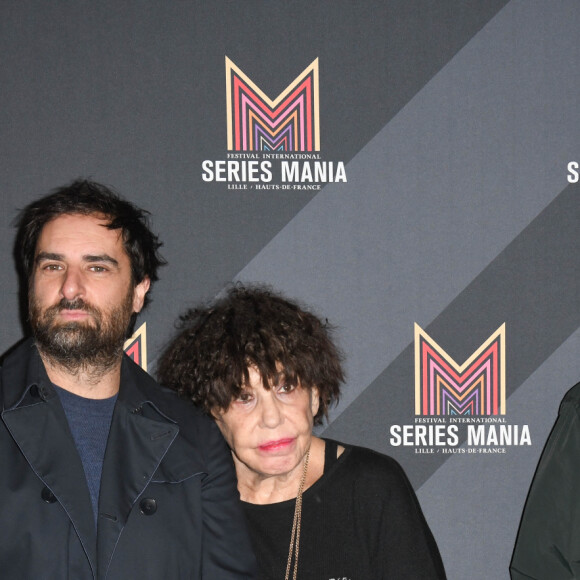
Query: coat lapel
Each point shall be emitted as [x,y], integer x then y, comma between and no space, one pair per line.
[140,437]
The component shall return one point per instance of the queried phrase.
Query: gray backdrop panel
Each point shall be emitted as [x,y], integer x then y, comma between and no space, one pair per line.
[456,121]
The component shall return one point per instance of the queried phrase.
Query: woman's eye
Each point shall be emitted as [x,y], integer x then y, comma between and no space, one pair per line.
[244,398]
[286,388]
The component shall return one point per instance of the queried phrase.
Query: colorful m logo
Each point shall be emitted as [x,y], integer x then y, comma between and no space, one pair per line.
[136,346]
[288,123]
[443,387]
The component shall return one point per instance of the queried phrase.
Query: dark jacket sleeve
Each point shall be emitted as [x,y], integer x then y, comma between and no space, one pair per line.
[227,552]
[548,542]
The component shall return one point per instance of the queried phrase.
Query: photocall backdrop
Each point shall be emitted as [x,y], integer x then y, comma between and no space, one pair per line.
[408,168]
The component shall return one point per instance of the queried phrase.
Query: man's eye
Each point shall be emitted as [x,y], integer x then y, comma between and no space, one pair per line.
[52,267]
[98,269]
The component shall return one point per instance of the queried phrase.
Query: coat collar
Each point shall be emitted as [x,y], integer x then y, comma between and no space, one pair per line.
[24,378]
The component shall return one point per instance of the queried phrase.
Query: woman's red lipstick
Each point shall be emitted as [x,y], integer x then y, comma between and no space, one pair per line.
[275,445]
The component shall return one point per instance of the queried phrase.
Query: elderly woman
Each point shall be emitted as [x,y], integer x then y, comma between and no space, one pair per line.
[267,370]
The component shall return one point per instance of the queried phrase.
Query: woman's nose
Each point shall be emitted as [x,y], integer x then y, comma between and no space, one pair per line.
[271,413]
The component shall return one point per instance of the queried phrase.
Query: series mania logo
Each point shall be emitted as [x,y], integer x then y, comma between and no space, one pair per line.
[273,143]
[288,123]
[444,387]
[460,403]
[136,346]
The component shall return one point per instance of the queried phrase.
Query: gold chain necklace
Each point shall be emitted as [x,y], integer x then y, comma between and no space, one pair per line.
[295,539]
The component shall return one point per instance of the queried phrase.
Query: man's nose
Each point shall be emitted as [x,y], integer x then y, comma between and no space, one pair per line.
[72,284]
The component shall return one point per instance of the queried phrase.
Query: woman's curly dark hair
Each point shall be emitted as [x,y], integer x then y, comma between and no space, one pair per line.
[251,326]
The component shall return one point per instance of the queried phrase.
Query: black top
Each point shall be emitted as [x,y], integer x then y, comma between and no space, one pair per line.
[361,520]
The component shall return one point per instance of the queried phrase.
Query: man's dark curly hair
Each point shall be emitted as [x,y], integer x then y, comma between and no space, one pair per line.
[251,326]
[83,197]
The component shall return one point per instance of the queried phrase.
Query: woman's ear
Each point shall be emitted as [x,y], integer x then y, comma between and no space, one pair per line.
[314,400]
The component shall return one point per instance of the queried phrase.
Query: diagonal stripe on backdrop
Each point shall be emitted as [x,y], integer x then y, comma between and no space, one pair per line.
[374,57]
[533,286]
[439,192]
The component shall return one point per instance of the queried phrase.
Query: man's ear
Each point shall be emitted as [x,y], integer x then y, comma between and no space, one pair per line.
[139,293]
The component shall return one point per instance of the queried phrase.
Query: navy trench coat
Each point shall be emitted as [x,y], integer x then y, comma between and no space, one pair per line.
[168,508]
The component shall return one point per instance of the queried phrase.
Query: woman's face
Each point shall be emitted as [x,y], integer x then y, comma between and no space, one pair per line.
[269,430]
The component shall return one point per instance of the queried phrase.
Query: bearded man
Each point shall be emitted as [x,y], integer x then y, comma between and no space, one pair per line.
[104,474]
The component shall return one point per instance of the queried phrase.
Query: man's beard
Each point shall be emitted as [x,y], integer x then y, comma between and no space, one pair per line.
[94,345]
